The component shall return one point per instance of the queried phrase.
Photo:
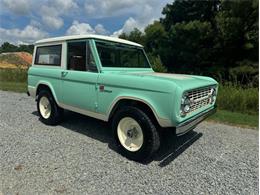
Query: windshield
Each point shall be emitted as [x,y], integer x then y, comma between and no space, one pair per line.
[121,55]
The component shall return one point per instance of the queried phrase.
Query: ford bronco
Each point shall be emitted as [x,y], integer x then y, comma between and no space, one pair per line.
[111,79]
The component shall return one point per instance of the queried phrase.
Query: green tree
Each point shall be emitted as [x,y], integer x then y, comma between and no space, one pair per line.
[188,10]
[217,38]
[237,24]
[156,63]
[8,47]
[191,47]
[155,37]
[26,48]
[136,36]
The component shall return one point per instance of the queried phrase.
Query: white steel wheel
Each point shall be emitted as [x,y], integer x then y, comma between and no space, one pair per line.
[130,134]
[45,107]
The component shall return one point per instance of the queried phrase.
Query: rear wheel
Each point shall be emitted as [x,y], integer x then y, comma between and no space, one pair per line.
[135,134]
[50,113]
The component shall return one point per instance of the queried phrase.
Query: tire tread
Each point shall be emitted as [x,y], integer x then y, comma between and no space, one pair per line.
[154,142]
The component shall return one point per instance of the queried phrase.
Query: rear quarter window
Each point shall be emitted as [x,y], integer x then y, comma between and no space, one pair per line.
[48,55]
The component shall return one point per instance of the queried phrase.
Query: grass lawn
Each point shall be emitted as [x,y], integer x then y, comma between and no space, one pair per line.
[235,118]
[13,86]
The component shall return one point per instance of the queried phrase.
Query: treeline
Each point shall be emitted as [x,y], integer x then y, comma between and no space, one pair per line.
[8,47]
[215,38]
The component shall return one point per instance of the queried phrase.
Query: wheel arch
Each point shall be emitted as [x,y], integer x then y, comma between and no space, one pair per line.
[141,104]
[47,86]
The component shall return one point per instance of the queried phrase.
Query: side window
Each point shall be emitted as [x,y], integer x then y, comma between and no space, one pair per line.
[48,55]
[77,56]
[80,57]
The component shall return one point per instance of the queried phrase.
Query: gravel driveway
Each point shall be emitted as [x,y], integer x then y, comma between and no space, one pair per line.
[78,157]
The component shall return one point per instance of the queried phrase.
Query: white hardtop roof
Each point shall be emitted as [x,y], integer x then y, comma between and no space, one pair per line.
[89,36]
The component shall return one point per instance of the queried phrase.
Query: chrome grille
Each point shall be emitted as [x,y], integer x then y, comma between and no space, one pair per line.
[200,97]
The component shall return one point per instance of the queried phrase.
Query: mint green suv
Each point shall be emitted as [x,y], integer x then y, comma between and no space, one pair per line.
[112,80]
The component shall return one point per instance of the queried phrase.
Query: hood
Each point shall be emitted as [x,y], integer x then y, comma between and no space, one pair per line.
[153,81]
[182,80]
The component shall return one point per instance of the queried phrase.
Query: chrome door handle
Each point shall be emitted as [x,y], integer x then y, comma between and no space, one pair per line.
[64,73]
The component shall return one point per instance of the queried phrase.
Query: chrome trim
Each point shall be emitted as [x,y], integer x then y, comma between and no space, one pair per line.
[163,122]
[199,97]
[191,123]
[84,112]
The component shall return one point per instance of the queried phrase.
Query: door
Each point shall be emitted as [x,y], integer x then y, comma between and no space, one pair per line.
[79,80]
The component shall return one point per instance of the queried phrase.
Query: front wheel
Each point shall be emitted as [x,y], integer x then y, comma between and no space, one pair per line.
[135,134]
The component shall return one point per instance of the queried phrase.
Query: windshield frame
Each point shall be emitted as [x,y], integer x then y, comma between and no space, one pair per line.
[149,67]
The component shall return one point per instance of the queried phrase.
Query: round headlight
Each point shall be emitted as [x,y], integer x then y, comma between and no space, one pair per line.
[186,108]
[185,105]
[213,95]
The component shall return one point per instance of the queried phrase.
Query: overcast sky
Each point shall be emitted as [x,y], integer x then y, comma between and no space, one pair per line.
[24,21]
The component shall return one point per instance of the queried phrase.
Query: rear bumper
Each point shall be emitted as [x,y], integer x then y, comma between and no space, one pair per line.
[194,121]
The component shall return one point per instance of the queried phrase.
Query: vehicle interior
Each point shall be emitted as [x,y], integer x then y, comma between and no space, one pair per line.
[80,57]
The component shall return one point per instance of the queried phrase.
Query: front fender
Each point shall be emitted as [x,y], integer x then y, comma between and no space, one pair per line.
[164,121]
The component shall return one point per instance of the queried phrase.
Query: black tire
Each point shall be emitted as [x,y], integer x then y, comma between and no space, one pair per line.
[151,139]
[56,112]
